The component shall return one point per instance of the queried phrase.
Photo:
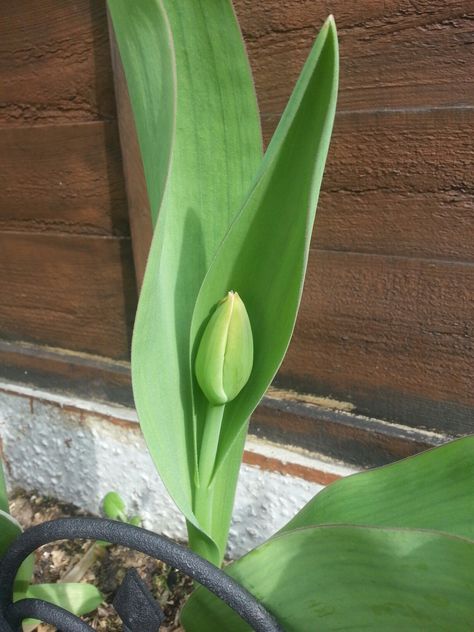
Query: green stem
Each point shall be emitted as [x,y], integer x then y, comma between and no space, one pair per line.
[207,463]
[210,443]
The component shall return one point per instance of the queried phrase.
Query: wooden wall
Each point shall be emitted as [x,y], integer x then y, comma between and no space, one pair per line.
[386,323]
[67,279]
[387,317]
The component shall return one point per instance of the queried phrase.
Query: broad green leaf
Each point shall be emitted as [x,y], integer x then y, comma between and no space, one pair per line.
[9,531]
[199,132]
[265,252]
[333,578]
[3,490]
[77,598]
[433,490]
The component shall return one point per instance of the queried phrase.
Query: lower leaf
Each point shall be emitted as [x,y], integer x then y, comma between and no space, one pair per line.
[344,577]
[9,531]
[432,490]
[77,598]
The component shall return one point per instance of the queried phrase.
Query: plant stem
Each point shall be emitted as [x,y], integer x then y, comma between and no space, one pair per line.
[207,463]
[209,444]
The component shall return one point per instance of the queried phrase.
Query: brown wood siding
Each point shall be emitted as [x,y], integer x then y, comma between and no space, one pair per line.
[395,54]
[386,318]
[67,276]
[55,62]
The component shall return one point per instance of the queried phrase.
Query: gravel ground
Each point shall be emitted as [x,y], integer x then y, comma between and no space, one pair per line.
[168,586]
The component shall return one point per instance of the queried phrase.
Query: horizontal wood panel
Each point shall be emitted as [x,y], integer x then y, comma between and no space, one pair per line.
[400,183]
[394,54]
[402,151]
[396,183]
[63,371]
[64,178]
[397,223]
[392,335]
[54,62]
[72,292]
[343,436]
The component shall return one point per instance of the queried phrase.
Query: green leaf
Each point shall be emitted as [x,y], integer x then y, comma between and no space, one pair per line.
[136,521]
[3,490]
[9,531]
[77,598]
[433,490]
[264,255]
[114,507]
[199,132]
[351,578]
[142,31]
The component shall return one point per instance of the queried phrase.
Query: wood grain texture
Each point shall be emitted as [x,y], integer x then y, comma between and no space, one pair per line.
[392,335]
[386,321]
[344,436]
[67,272]
[406,152]
[88,376]
[394,54]
[386,316]
[400,183]
[54,62]
[66,291]
[62,179]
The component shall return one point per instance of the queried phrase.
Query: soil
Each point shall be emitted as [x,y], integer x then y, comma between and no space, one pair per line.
[167,585]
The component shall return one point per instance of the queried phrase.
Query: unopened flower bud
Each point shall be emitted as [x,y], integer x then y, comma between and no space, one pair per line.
[225,355]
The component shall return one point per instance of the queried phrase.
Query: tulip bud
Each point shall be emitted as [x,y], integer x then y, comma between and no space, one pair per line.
[225,355]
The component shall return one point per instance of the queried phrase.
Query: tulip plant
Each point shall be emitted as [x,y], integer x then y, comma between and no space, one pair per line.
[75,597]
[389,549]
[229,224]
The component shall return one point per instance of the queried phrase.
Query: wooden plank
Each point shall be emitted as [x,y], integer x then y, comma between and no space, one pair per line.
[65,179]
[71,292]
[394,54]
[54,62]
[392,335]
[396,183]
[344,436]
[62,371]
[400,183]
[402,151]
[397,223]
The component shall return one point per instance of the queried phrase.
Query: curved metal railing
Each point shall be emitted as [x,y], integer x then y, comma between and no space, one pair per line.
[133,601]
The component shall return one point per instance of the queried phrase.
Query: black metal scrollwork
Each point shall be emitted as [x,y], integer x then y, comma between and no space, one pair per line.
[133,601]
